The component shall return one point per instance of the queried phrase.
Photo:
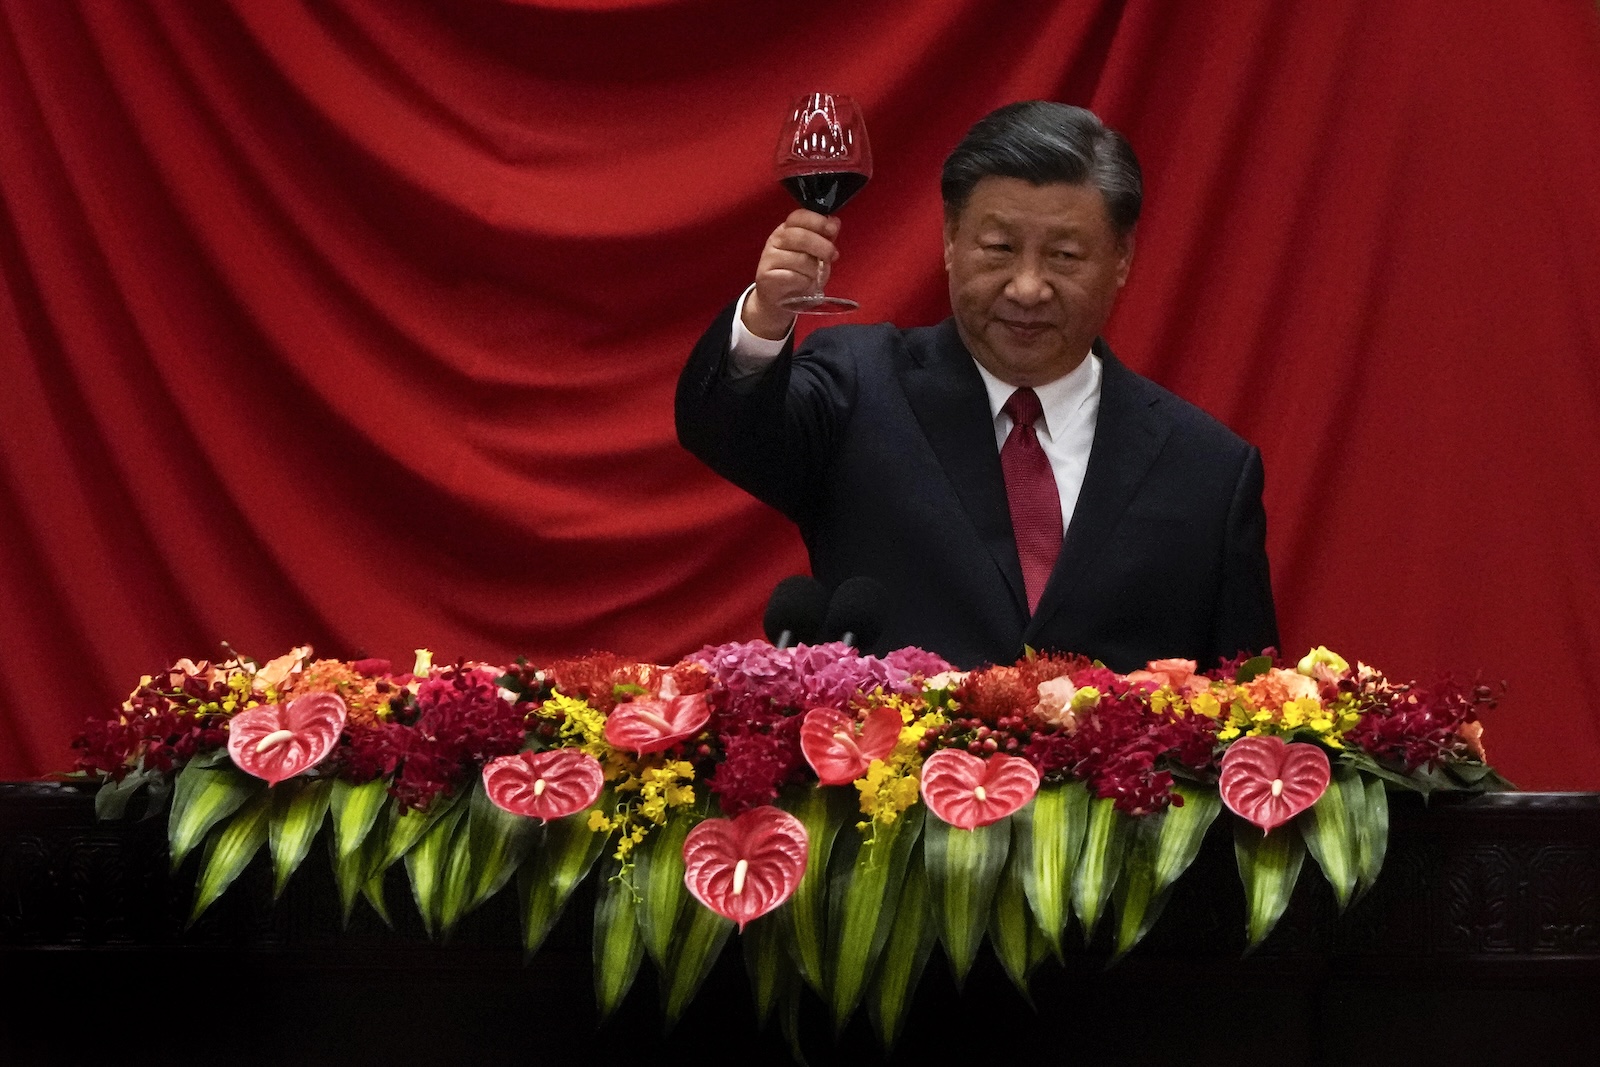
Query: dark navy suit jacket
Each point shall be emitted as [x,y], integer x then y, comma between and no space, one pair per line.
[879,443]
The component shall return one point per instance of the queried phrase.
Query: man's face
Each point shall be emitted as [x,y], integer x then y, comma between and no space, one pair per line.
[1033,270]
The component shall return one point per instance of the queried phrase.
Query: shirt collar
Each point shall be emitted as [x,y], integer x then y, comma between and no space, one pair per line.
[1060,399]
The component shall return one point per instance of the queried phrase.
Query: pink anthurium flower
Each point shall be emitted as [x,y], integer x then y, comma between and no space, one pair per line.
[968,792]
[645,725]
[839,754]
[278,741]
[544,785]
[743,868]
[1267,781]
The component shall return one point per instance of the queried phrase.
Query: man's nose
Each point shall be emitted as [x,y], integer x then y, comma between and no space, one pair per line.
[1028,286]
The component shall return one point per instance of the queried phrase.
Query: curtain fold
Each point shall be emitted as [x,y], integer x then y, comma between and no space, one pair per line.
[357,322]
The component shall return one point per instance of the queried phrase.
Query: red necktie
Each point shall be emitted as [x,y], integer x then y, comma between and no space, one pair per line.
[1031,492]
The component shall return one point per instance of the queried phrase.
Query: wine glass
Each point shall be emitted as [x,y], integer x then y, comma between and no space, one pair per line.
[823,159]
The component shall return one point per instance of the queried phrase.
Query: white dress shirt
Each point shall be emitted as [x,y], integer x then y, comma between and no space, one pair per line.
[1066,431]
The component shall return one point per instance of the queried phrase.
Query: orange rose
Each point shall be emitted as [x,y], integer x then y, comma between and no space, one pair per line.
[1177,675]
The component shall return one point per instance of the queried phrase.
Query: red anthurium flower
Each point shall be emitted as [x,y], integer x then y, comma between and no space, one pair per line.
[544,785]
[278,741]
[1267,781]
[644,725]
[743,868]
[968,792]
[840,755]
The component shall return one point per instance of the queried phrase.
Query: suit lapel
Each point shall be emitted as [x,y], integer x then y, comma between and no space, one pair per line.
[952,407]
[1129,434]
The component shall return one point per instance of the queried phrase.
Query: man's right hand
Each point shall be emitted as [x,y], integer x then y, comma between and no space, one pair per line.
[789,267]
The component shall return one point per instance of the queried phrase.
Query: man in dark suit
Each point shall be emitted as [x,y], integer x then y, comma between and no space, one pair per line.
[1002,474]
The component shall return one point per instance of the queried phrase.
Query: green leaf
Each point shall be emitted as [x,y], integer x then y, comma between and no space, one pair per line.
[963,869]
[767,960]
[1163,847]
[618,945]
[1268,865]
[905,954]
[1372,833]
[658,878]
[230,851]
[500,841]
[1252,668]
[1364,762]
[1049,838]
[355,810]
[1330,828]
[455,880]
[402,830]
[1099,863]
[352,873]
[1018,942]
[823,810]
[203,797]
[701,935]
[428,862]
[559,862]
[863,891]
[111,800]
[298,810]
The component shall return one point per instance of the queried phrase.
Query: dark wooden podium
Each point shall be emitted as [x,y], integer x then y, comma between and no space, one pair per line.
[1479,945]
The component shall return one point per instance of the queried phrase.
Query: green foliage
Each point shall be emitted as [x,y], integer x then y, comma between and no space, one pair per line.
[863,897]
[1269,865]
[964,868]
[1105,841]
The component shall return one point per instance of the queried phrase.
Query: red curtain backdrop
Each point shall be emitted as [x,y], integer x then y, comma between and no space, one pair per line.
[357,321]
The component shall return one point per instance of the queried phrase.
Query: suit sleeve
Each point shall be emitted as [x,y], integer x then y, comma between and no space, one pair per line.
[771,434]
[1246,619]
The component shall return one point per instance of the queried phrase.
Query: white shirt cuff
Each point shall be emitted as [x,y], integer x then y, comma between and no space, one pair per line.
[747,353]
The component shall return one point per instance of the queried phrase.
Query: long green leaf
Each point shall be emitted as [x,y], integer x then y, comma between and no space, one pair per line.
[203,796]
[230,850]
[823,810]
[559,862]
[455,877]
[701,935]
[1162,848]
[1269,865]
[1099,863]
[298,811]
[500,841]
[1048,838]
[1372,833]
[352,874]
[963,869]
[1330,830]
[658,876]
[355,811]
[618,946]
[863,891]
[905,954]
[1018,942]
[768,962]
[427,862]
[402,830]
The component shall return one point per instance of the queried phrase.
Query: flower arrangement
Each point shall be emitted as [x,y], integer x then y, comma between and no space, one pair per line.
[840,810]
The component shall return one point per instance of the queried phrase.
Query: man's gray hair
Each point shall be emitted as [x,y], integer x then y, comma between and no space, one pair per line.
[1041,142]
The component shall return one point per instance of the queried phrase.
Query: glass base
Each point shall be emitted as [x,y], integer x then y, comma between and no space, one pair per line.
[820,304]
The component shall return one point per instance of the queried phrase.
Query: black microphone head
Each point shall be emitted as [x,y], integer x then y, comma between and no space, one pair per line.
[857,609]
[796,609]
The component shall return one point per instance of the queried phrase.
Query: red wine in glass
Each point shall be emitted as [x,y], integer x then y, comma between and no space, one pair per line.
[823,160]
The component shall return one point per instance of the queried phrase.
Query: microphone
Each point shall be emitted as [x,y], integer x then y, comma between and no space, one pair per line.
[795,611]
[855,614]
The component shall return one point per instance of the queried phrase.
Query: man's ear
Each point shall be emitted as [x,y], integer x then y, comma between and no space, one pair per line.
[1124,258]
[949,242]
